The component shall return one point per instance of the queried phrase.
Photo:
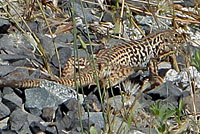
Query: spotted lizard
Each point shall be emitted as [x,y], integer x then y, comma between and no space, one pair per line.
[112,64]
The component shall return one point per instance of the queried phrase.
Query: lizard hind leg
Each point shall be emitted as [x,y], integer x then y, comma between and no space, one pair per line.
[118,74]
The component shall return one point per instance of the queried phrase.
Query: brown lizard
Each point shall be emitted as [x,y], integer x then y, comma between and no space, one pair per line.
[114,64]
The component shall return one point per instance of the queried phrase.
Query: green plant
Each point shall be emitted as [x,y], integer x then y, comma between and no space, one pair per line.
[196,59]
[162,113]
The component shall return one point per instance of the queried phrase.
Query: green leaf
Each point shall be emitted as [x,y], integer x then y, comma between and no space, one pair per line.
[84,46]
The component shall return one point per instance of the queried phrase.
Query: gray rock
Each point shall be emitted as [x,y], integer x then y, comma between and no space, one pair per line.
[50,94]
[40,98]
[66,123]
[98,122]
[4,26]
[0,96]
[14,44]
[37,127]
[48,113]
[65,38]
[166,90]
[4,111]
[12,101]
[32,118]
[17,120]
[35,111]
[96,118]
[3,123]
[7,90]
[22,74]
[8,132]
[92,103]
[118,103]
[88,15]
[64,53]
[51,130]
[188,102]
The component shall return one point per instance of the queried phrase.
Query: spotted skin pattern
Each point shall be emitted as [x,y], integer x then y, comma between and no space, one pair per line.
[115,63]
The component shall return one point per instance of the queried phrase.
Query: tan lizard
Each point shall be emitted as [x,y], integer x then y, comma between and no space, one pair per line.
[115,63]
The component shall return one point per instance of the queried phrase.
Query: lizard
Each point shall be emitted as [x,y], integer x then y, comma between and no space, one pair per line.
[114,64]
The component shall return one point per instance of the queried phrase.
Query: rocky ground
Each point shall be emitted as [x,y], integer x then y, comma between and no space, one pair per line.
[29,48]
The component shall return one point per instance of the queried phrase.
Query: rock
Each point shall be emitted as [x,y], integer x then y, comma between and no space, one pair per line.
[35,111]
[39,98]
[166,91]
[7,90]
[47,114]
[88,16]
[12,101]
[64,53]
[4,26]
[182,78]
[37,127]
[32,118]
[50,94]
[4,69]
[22,74]
[118,103]
[3,123]
[4,111]
[188,102]
[64,38]
[95,118]
[72,108]
[92,104]
[8,132]
[17,120]
[51,130]
[66,123]
[14,44]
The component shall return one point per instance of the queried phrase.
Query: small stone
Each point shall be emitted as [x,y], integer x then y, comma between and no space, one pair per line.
[4,111]
[47,114]
[3,123]
[92,103]
[8,132]
[66,123]
[65,53]
[37,127]
[17,120]
[7,90]
[35,111]
[12,101]
[51,130]
[166,90]
[72,108]
[50,94]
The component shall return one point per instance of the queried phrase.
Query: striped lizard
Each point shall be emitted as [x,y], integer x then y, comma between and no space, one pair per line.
[115,64]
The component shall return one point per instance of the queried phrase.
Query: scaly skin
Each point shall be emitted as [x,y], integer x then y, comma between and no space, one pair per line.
[115,63]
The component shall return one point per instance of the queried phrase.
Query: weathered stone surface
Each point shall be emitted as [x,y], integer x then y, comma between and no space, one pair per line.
[47,114]
[37,127]
[64,54]
[92,104]
[17,120]
[12,101]
[4,111]
[50,94]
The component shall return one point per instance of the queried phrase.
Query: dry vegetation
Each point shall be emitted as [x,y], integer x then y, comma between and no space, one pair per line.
[57,18]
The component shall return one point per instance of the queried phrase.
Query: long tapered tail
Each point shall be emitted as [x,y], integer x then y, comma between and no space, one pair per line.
[20,84]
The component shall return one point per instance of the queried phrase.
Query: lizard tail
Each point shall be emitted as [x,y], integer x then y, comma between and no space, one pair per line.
[20,84]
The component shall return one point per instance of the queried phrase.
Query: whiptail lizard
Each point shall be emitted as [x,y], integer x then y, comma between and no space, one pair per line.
[115,63]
